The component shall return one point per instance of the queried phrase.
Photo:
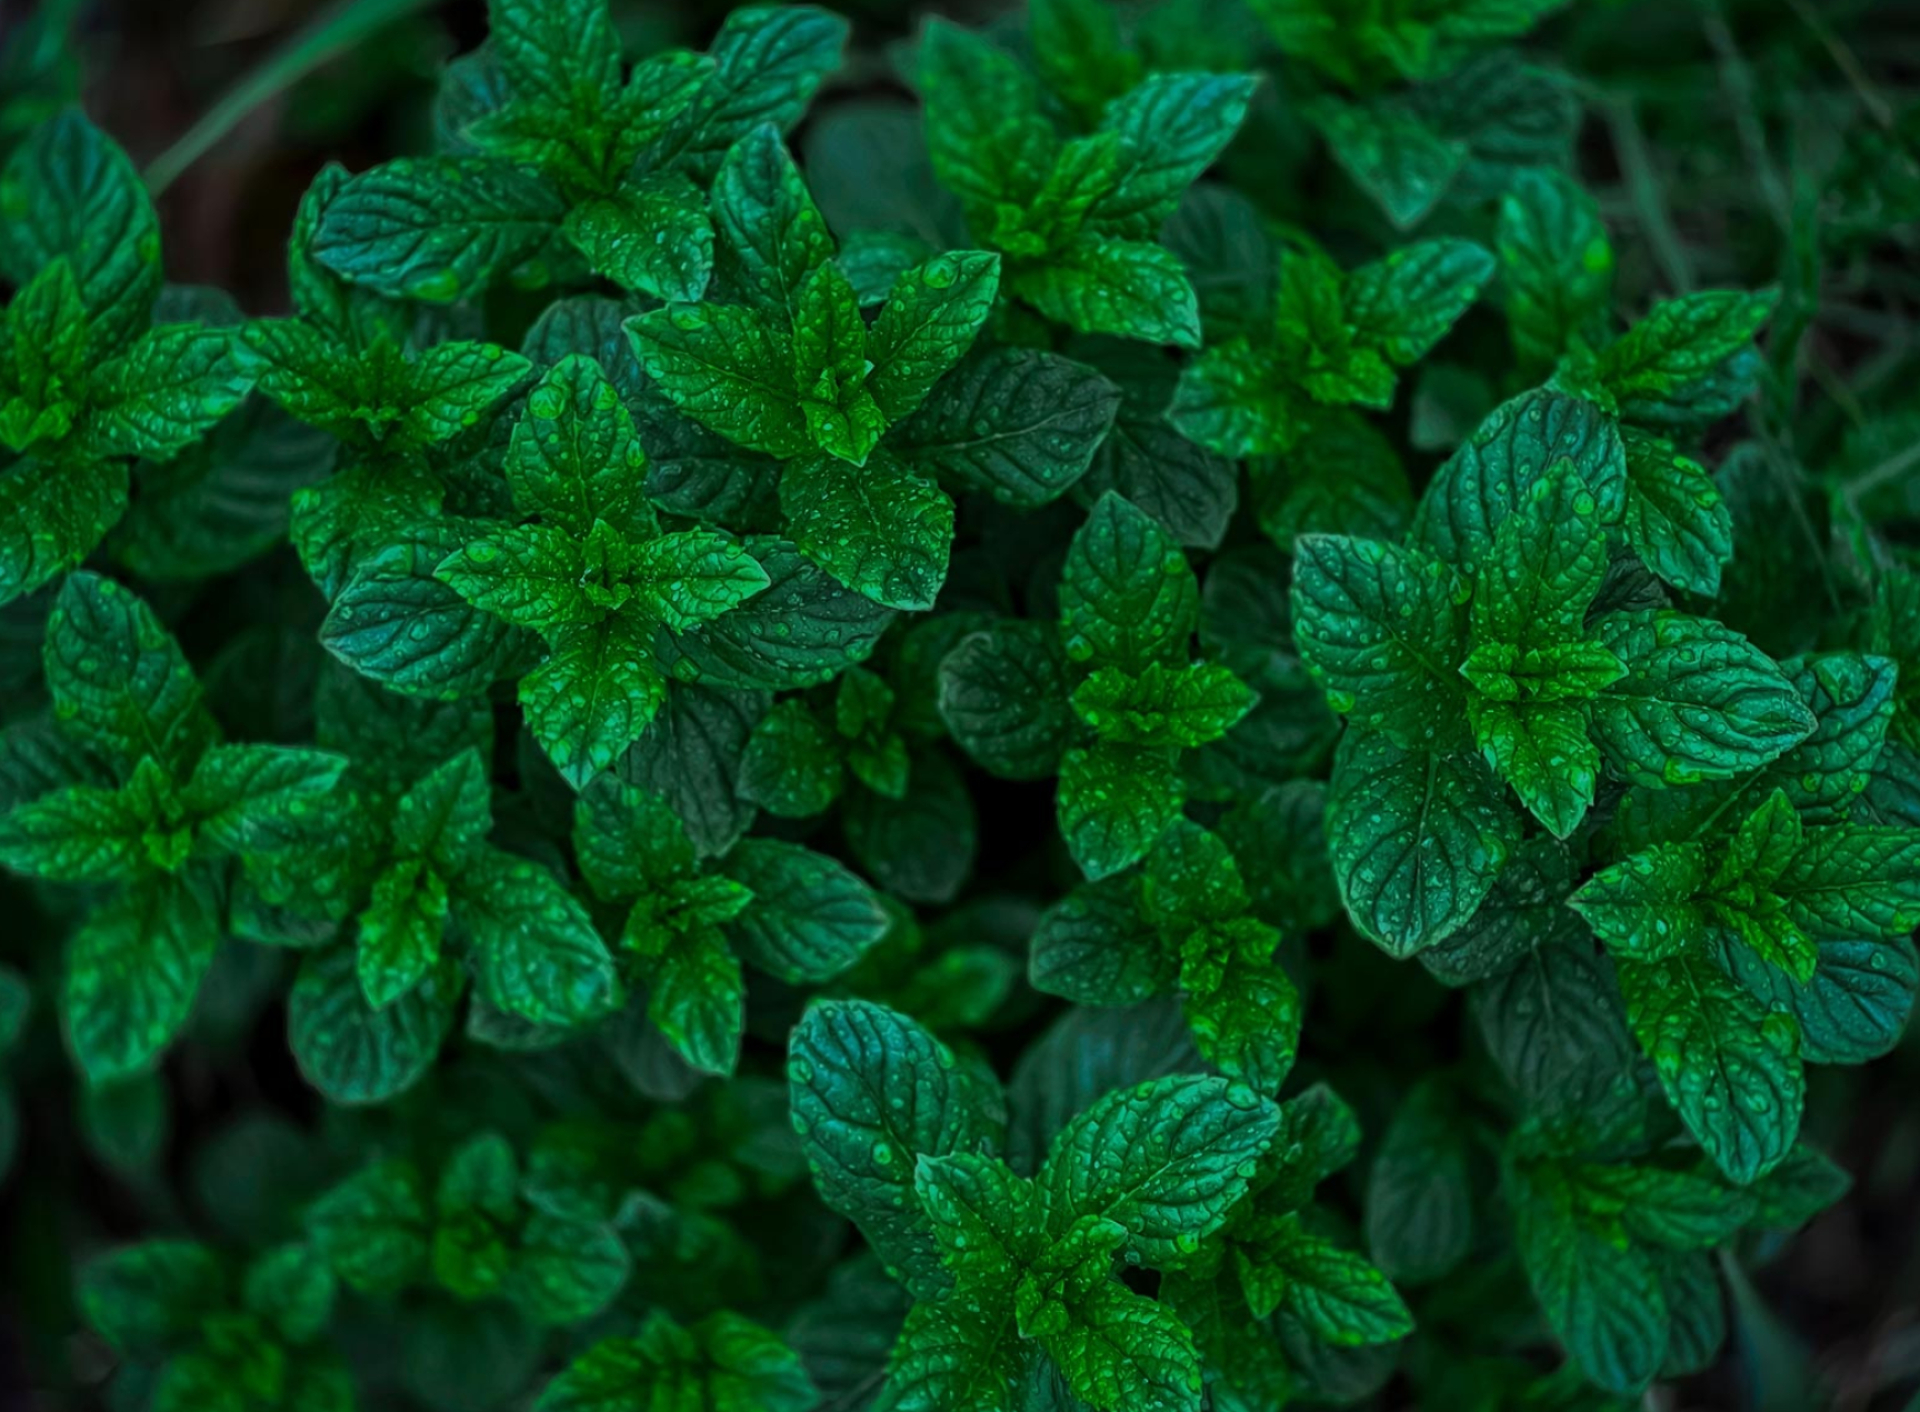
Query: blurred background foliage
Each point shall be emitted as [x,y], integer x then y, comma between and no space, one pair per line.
[1729,142]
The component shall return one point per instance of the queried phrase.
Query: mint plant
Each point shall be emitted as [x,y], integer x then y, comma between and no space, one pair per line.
[1174,707]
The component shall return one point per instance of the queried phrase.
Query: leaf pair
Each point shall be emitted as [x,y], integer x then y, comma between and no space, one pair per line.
[1617,1254]
[1697,938]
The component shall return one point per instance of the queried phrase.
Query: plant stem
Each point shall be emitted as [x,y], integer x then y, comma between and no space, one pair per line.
[337,28]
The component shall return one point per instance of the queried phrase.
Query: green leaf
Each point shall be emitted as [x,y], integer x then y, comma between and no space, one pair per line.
[985,133]
[1127,288]
[1392,153]
[882,529]
[697,998]
[1541,749]
[982,1217]
[1166,1160]
[566,1271]
[592,697]
[535,953]
[1855,1007]
[1416,839]
[1114,803]
[1644,908]
[800,631]
[147,1298]
[1698,702]
[728,369]
[1420,1193]
[437,228]
[1381,630]
[927,325]
[1021,424]
[872,1093]
[119,683]
[1675,519]
[811,918]
[574,457]
[1681,342]
[52,516]
[1246,1015]
[1520,441]
[1600,1293]
[69,192]
[775,236]
[1406,303]
[401,931]
[372,1227]
[1730,1068]
[1679,1210]
[164,392]
[1003,695]
[394,622]
[77,834]
[723,1362]
[133,970]
[292,1288]
[1547,562]
[1171,128]
[1097,946]
[691,754]
[650,235]
[1127,594]
[792,766]
[1144,459]
[1118,1349]
[1163,707]
[1556,265]
[354,1053]
[769,60]
[1337,1295]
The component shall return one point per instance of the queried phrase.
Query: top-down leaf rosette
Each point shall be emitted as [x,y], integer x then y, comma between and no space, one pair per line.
[557,160]
[128,787]
[98,364]
[1484,651]
[789,367]
[1416,102]
[1332,339]
[205,1334]
[1076,219]
[1014,1277]
[1109,697]
[592,571]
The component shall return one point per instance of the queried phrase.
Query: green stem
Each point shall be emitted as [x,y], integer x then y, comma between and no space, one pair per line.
[1643,185]
[335,29]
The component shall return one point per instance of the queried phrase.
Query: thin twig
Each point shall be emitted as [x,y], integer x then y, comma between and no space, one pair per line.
[1630,145]
[1843,58]
[337,28]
